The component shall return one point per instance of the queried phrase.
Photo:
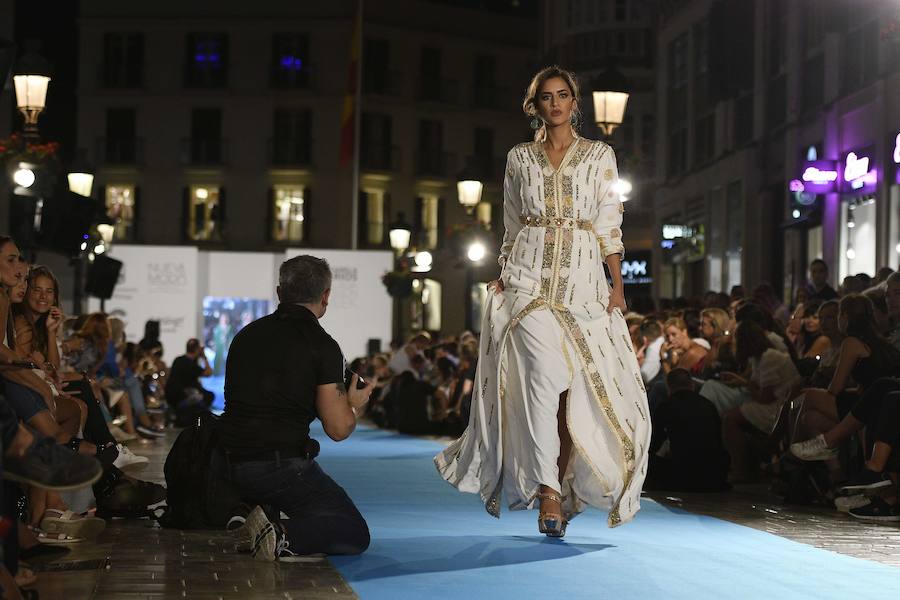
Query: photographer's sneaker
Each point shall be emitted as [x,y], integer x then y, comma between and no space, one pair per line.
[845,504]
[265,536]
[814,449]
[877,511]
[864,481]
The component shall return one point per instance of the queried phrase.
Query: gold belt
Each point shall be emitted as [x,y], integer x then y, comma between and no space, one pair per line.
[557,222]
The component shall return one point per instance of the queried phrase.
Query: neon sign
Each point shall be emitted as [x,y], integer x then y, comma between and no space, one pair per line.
[855,167]
[814,174]
[897,158]
[859,176]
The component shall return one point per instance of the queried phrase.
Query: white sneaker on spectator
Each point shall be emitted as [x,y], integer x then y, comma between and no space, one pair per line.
[128,460]
[847,503]
[814,449]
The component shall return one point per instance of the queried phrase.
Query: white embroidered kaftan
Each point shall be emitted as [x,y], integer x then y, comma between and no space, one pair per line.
[549,332]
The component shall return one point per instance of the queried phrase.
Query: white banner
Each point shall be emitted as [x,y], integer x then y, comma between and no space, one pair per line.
[360,308]
[156,283]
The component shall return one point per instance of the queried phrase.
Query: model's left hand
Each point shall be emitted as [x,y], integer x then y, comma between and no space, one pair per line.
[617,300]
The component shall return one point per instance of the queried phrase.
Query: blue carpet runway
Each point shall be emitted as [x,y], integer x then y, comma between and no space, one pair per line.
[429,541]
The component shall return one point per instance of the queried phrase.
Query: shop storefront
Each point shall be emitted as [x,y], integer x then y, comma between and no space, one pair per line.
[893,253]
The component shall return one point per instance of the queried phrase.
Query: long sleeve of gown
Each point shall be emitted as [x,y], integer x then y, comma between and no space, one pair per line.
[608,224]
[512,208]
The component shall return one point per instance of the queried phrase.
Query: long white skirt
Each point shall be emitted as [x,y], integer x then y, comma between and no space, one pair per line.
[530,354]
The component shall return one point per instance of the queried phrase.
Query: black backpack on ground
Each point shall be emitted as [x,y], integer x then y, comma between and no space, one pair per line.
[199,497]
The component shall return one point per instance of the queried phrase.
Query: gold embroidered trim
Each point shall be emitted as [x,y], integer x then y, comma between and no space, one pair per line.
[602,398]
[558,222]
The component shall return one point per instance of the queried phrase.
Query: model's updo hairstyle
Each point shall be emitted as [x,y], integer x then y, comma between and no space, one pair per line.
[529,104]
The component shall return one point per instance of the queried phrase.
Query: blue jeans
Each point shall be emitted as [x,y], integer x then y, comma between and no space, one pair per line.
[322,517]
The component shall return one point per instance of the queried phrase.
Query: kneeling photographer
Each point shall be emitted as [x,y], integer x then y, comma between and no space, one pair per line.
[284,371]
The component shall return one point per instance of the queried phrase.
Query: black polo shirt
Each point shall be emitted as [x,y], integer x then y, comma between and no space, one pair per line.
[274,366]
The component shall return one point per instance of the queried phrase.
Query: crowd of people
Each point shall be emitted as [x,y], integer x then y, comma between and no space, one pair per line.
[742,388]
[75,392]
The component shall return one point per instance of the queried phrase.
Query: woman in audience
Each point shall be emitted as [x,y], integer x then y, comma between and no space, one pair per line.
[31,397]
[770,384]
[715,327]
[865,356]
[679,350]
[811,341]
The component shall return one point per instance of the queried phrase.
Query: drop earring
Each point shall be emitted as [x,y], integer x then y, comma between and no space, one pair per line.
[535,123]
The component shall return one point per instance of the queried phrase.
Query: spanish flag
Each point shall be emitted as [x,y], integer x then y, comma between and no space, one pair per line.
[348,115]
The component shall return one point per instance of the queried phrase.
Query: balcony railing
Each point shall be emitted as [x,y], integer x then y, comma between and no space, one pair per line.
[290,152]
[199,151]
[380,158]
[120,151]
[435,164]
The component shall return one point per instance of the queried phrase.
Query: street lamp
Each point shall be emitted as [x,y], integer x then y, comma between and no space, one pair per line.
[31,78]
[469,188]
[610,100]
[81,175]
[400,233]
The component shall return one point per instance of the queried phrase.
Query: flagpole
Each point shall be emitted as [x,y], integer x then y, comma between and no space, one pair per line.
[354,200]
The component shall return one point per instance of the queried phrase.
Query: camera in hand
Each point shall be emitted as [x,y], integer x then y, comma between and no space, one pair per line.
[348,378]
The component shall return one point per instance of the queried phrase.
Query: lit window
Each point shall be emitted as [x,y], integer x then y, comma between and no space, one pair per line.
[120,207]
[204,214]
[429,219]
[289,213]
[375,218]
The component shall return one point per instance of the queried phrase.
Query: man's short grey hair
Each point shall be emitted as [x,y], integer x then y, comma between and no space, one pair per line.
[304,279]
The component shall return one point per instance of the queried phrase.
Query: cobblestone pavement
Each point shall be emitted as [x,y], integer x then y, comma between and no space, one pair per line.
[147,562]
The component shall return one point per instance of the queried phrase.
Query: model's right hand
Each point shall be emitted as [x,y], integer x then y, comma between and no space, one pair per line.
[496,286]
[360,397]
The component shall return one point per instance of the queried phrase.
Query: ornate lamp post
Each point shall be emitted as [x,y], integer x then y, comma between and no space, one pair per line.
[610,100]
[32,78]
[399,286]
[81,176]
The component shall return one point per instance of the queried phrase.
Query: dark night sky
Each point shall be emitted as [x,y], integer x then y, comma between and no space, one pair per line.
[55,28]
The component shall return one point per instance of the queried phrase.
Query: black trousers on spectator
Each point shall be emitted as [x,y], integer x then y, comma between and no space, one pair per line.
[321,516]
[9,492]
[879,410]
[95,429]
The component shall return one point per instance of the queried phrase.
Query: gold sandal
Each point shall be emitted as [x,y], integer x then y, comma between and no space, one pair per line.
[551,524]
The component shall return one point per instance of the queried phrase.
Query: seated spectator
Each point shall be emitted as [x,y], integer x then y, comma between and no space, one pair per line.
[715,327]
[691,317]
[689,423]
[770,384]
[402,359]
[865,356]
[184,391]
[818,288]
[680,351]
[879,303]
[828,323]
[878,410]
[649,352]
[851,284]
[150,342]
[892,299]
[882,275]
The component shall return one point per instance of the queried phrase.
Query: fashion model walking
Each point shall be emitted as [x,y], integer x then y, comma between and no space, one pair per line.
[559,415]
